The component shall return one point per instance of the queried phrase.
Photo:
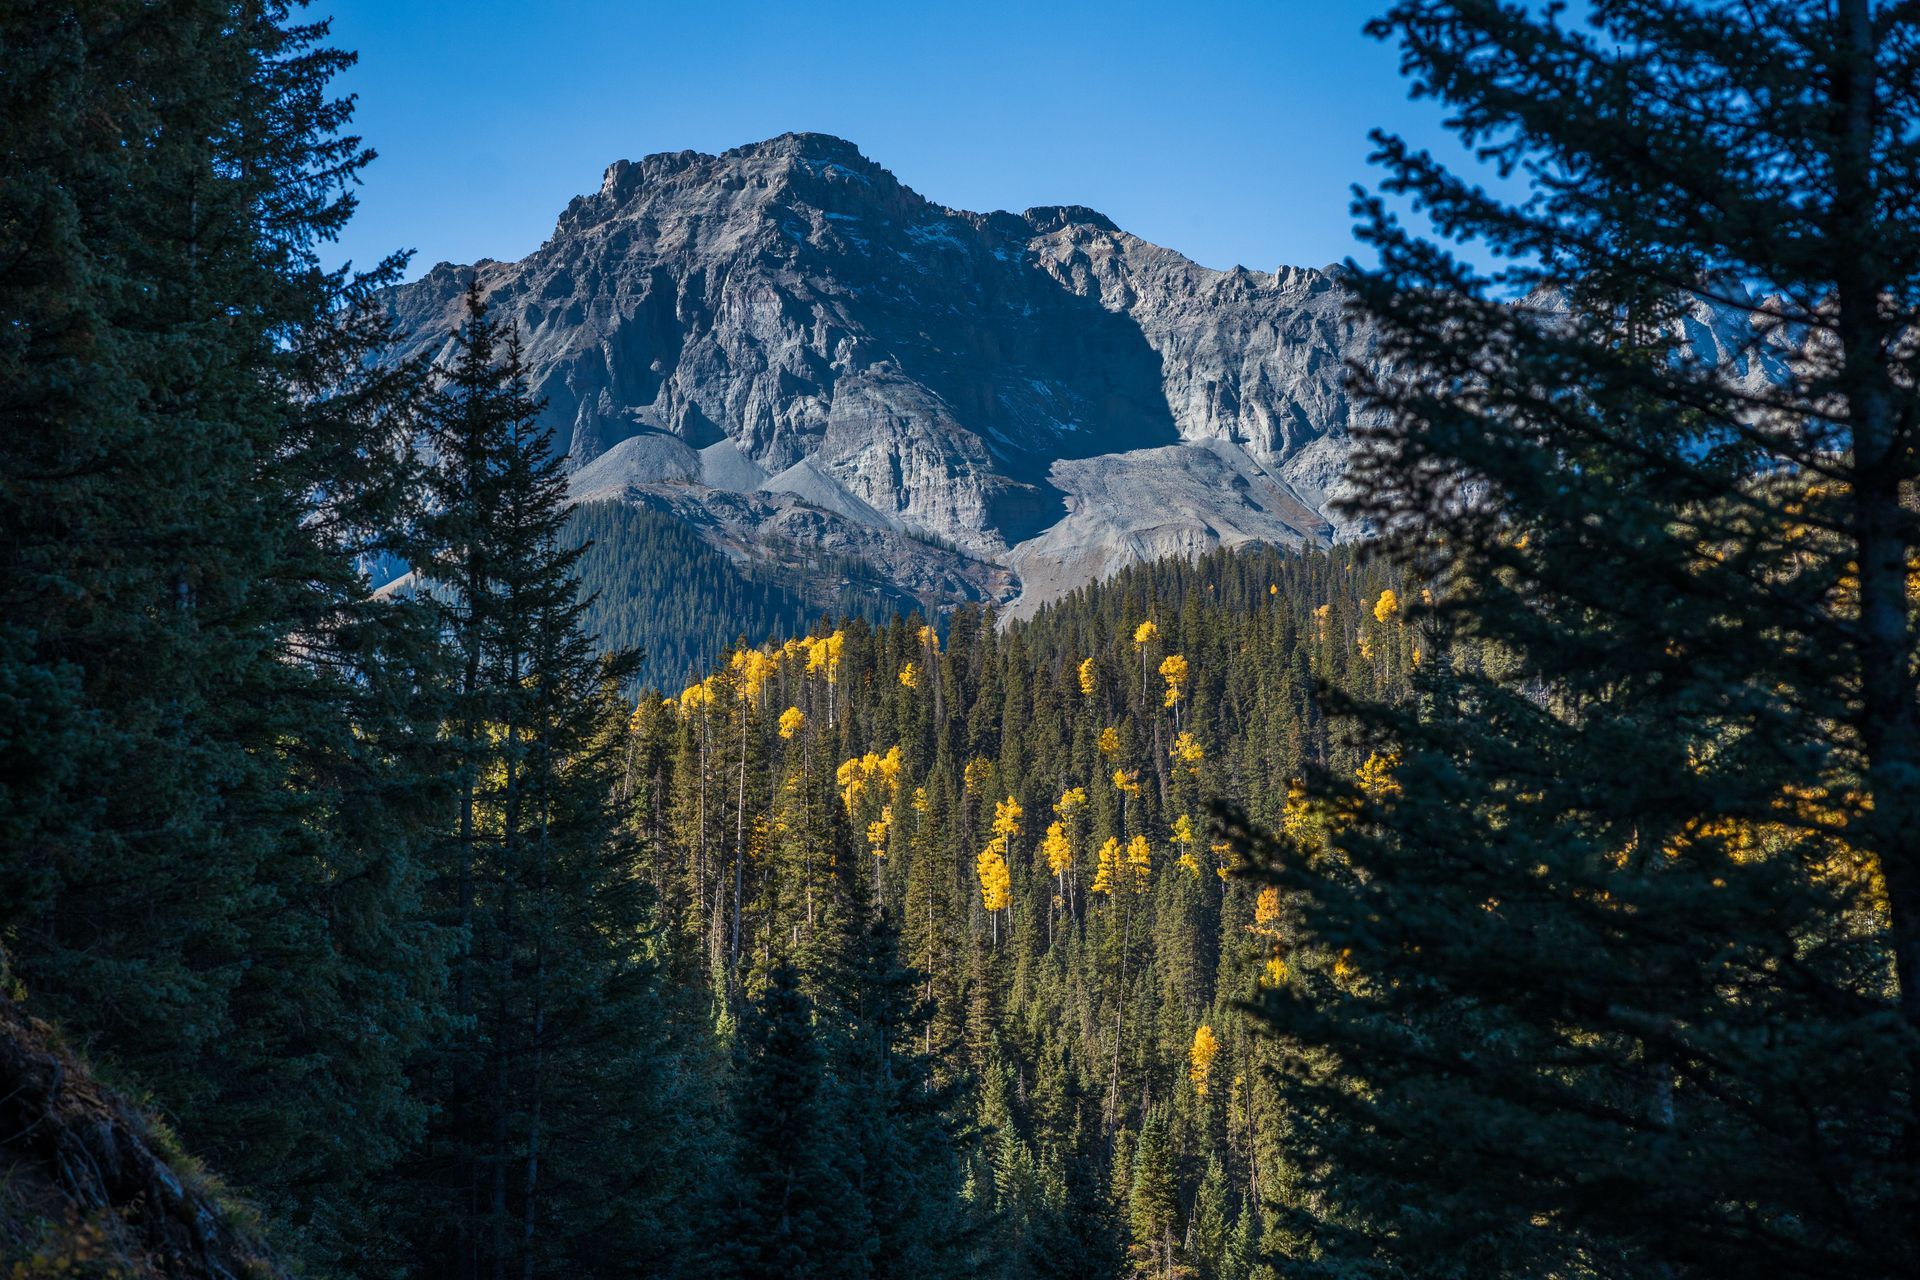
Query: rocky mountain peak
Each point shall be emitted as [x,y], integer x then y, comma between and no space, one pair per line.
[783,343]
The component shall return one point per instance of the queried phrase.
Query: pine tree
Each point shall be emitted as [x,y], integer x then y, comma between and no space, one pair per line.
[555,1090]
[785,1186]
[221,744]
[1608,963]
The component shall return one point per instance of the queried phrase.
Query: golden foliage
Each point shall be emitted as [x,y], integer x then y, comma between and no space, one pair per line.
[1186,749]
[1108,867]
[1174,670]
[1386,606]
[1088,676]
[1146,633]
[1206,1047]
[1376,776]
[1140,857]
[1057,848]
[791,721]
[1109,743]
[856,775]
[910,675]
[995,883]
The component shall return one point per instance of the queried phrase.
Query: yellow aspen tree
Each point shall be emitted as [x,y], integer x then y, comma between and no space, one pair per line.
[1206,1047]
[1384,610]
[791,721]
[910,676]
[1088,677]
[1174,670]
[995,881]
[1109,742]
[1143,635]
[1108,867]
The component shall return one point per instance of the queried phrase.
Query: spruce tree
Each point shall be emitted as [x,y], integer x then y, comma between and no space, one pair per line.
[1607,963]
[216,746]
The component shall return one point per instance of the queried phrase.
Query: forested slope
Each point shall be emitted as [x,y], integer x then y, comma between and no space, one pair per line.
[655,586]
[1029,805]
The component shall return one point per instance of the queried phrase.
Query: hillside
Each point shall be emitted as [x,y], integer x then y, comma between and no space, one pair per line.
[92,1187]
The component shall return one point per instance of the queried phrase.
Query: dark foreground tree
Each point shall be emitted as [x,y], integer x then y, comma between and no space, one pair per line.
[556,1136]
[1609,965]
[215,750]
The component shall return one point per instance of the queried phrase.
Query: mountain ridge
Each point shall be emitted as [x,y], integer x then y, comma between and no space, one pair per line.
[996,407]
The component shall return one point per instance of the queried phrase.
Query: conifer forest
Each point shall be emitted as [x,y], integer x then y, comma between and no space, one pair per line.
[413,868]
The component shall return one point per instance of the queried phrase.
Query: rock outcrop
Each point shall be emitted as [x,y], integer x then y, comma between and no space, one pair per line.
[87,1186]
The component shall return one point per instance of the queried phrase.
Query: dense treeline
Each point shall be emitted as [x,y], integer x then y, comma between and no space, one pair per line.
[1028,806]
[654,586]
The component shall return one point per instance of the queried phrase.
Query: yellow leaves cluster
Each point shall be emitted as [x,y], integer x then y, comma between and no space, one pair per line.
[1057,844]
[823,654]
[1174,670]
[878,831]
[1186,750]
[1127,781]
[1386,606]
[1088,677]
[1108,866]
[791,721]
[975,775]
[1146,633]
[1376,775]
[929,639]
[1109,742]
[752,668]
[1006,817]
[1206,1047]
[698,697]
[910,675]
[1266,907]
[995,881]
[855,776]
[1057,848]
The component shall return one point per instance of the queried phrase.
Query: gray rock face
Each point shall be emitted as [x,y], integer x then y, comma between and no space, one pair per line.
[783,343]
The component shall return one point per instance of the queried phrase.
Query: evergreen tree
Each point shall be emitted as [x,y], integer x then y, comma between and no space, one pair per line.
[1608,963]
[555,1100]
[217,747]
[786,1187]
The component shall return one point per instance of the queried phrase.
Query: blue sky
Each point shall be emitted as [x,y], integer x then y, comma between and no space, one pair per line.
[1229,130]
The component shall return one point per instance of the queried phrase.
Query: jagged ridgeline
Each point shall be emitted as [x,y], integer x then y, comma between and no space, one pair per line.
[1030,804]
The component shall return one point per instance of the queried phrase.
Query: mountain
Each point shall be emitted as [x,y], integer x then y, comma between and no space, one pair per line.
[796,356]
[784,345]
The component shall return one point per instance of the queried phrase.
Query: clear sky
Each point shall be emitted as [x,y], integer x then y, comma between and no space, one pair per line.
[1230,130]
